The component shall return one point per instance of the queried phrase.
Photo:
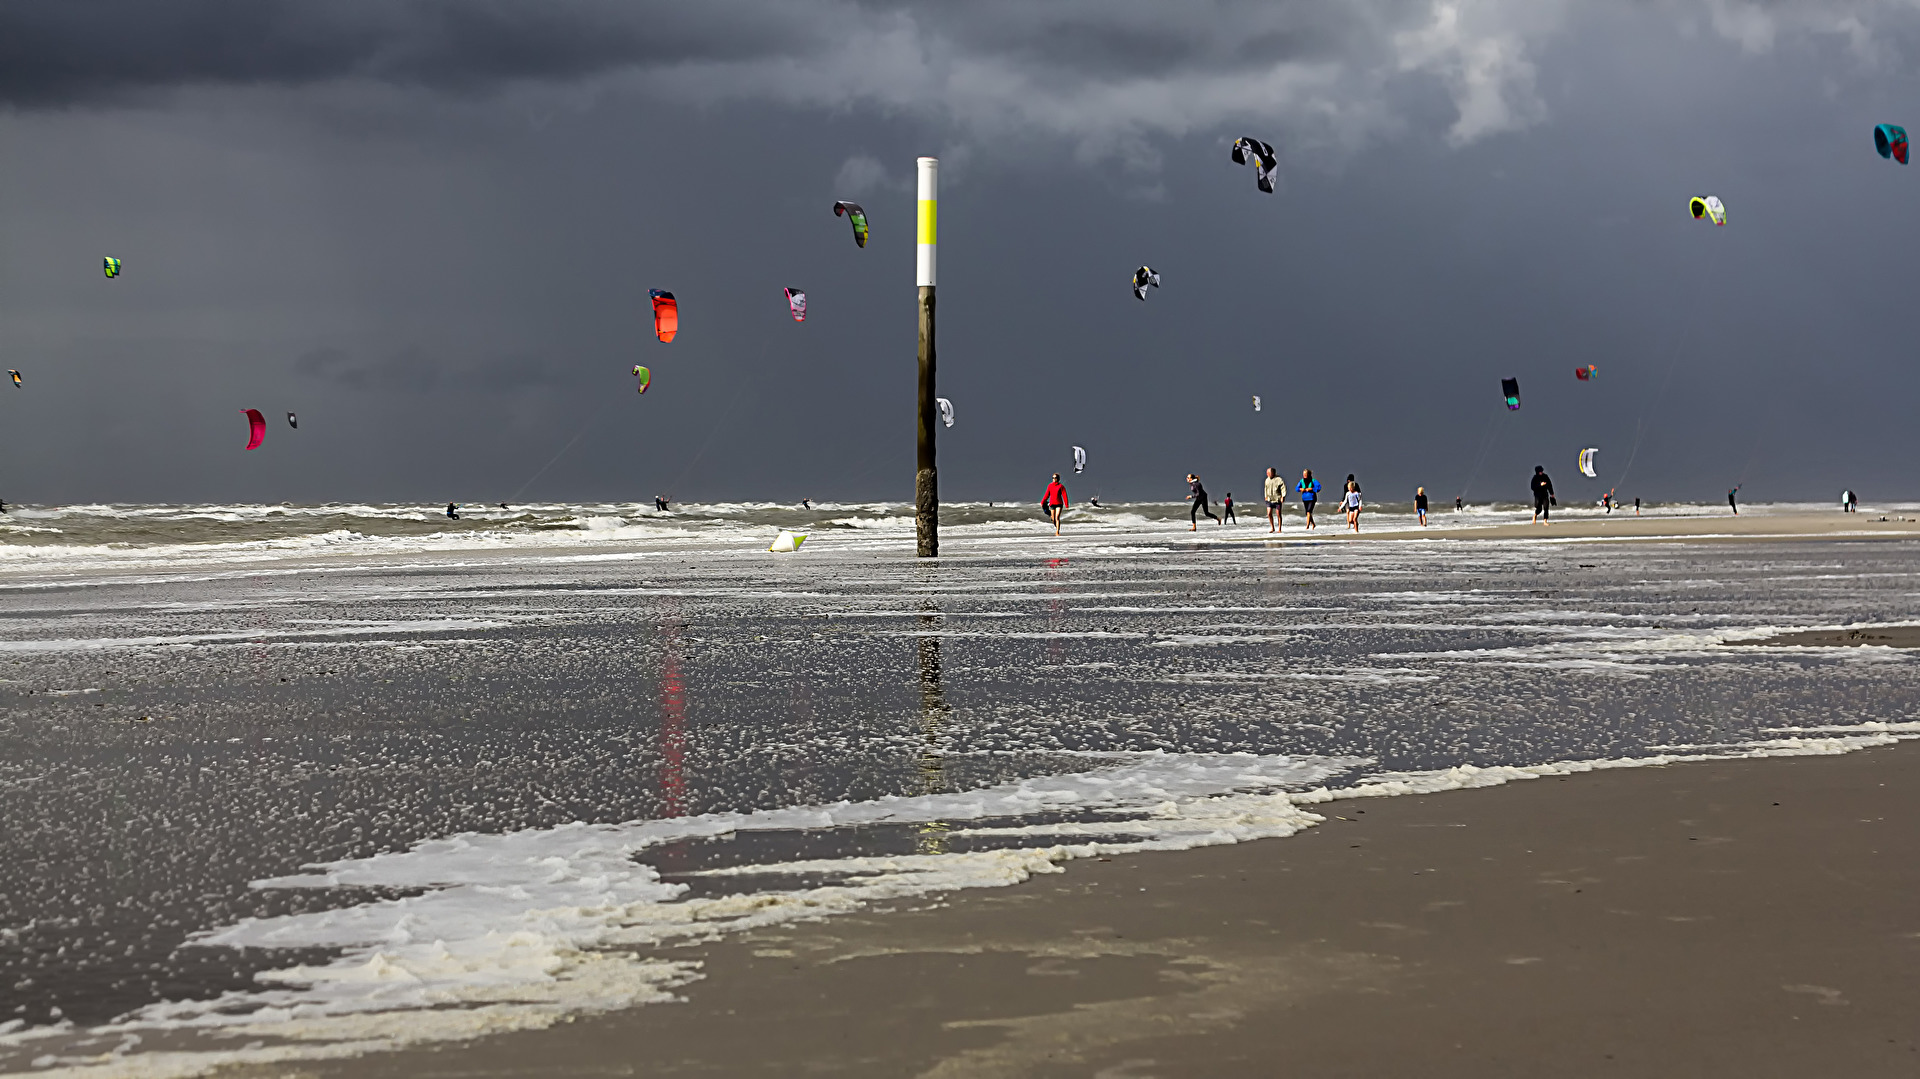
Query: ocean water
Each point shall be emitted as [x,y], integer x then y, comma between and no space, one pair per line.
[101,535]
[295,782]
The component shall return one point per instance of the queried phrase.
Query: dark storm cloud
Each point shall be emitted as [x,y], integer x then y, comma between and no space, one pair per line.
[1108,75]
[429,228]
[77,50]
[80,50]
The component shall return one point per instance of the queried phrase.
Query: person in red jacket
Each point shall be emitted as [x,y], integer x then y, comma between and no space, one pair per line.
[1055,501]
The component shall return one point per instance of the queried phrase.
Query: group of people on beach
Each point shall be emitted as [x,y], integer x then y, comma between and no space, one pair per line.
[1274,492]
[1054,501]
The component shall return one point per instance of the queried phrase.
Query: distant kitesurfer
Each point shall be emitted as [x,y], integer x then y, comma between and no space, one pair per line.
[1606,501]
[660,503]
[806,503]
[1636,507]
[1094,501]
[1274,490]
[453,512]
[1197,494]
[1543,499]
[1733,500]
[1054,501]
[1420,505]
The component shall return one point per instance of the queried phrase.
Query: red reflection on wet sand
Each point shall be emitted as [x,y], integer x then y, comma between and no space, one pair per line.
[673,725]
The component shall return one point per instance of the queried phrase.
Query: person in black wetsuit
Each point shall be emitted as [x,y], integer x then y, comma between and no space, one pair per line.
[1543,498]
[1197,495]
[453,512]
[1733,499]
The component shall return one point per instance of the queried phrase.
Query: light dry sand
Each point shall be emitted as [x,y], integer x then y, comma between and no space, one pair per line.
[1785,524]
[1751,918]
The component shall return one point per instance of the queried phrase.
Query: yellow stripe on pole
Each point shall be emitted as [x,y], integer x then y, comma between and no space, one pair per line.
[925,260]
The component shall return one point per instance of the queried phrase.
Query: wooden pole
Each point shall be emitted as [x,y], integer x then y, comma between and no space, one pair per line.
[926,480]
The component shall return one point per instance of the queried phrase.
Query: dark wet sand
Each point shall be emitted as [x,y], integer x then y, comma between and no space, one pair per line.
[1767,525]
[1885,636]
[1745,918]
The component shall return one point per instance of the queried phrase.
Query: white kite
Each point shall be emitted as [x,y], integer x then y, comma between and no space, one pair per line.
[946,410]
[787,542]
[1256,402]
[1586,462]
[1079,459]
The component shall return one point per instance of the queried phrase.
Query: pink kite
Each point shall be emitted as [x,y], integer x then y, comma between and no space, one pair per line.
[258,425]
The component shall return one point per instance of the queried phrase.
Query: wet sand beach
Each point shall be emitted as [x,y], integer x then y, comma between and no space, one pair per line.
[1737,918]
[494,799]
[1586,524]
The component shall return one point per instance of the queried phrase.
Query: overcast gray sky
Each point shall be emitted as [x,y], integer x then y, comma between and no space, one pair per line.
[429,227]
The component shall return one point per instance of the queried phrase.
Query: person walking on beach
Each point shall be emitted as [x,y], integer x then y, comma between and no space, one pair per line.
[1309,494]
[1226,509]
[1054,501]
[1636,507]
[1543,499]
[1197,494]
[1734,500]
[1275,492]
[1420,504]
[1848,502]
[1352,503]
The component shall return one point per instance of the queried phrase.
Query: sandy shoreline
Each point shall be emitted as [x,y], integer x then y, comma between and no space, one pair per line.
[1750,918]
[1883,636]
[1767,525]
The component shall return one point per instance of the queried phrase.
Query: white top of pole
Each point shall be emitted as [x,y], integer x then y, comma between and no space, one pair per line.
[924,265]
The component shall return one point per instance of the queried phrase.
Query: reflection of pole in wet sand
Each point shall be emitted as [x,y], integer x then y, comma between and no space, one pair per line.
[933,715]
[673,724]
[1056,611]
